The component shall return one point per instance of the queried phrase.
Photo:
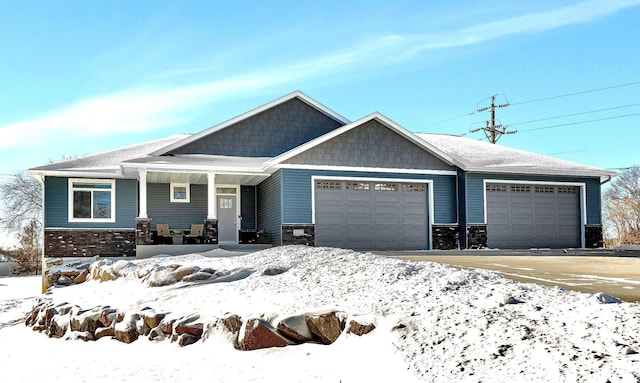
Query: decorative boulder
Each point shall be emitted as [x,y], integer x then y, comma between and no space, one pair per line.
[107,316]
[104,331]
[198,276]
[82,277]
[85,321]
[259,334]
[183,271]
[360,329]
[327,327]
[295,328]
[126,331]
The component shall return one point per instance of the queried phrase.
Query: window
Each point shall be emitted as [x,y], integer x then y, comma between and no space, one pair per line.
[414,187]
[567,190]
[92,200]
[386,187]
[545,189]
[496,188]
[520,189]
[180,193]
[357,186]
[329,185]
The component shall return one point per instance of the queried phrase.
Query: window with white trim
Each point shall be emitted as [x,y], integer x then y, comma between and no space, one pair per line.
[92,200]
[180,193]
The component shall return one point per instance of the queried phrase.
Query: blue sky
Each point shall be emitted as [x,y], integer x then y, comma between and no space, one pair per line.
[79,77]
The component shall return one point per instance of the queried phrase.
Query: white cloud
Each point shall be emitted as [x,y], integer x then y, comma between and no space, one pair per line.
[143,109]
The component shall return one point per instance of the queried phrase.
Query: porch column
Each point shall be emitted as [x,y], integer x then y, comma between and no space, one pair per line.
[212,212]
[143,193]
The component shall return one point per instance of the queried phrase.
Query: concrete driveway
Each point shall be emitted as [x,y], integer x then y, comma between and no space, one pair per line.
[617,276]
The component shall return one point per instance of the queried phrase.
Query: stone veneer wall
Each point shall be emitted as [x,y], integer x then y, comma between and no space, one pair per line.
[210,231]
[299,234]
[476,236]
[60,243]
[445,237]
[593,238]
[144,236]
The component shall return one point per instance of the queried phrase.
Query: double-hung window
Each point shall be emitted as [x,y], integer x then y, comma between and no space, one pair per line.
[92,200]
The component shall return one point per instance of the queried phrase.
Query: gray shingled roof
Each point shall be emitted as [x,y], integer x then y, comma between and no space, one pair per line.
[479,156]
[110,161]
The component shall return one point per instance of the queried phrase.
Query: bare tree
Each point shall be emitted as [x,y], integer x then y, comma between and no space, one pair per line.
[28,254]
[622,207]
[22,199]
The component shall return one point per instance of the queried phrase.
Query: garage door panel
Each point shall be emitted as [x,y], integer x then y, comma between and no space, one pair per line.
[523,216]
[371,215]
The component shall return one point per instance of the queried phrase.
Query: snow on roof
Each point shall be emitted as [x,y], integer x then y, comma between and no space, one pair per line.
[478,156]
[110,161]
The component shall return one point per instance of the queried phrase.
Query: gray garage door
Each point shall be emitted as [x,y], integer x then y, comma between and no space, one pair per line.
[371,215]
[526,216]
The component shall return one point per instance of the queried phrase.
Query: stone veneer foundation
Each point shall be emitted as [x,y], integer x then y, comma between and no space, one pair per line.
[59,243]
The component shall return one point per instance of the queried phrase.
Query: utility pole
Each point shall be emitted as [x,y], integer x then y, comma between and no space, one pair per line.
[492,131]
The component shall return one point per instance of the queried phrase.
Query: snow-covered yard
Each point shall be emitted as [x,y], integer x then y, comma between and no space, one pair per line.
[433,323]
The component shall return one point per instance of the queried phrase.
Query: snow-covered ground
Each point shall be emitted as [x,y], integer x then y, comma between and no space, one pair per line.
[434,323]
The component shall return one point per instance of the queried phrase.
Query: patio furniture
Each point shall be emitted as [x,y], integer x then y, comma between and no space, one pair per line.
[164,234]
[196,234]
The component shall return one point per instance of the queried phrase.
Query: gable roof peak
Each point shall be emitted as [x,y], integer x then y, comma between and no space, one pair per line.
[271,104]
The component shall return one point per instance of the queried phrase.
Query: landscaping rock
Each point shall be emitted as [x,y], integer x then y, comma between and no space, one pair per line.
[199,276]
[259,334]
[194,329]
[107,316]
[187,339]
[183,271]
[233,323]
[327,327]
[167,326]
[360,329]
[82,277]
[152,320]
[126,331]
[85,321]
[295,328]
[104,331]
[65,281]
[57,327]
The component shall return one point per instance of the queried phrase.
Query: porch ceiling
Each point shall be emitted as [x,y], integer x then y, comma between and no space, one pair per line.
[201,178]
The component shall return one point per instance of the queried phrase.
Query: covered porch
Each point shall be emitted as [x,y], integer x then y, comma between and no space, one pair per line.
[197,203]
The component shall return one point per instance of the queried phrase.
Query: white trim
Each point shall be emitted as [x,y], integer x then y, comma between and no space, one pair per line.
[582,198]
[366,169]
[430,207]
[70,190]
[212,212]
[297,94]
[373,116]
[172,197]
[238,211]
[142,194]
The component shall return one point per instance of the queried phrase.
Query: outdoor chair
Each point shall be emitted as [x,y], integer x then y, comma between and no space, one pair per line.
[196,234]
[164,234]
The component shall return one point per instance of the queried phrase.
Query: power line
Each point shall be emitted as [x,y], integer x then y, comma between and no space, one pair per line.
[576,93]
[577,114]
[580,122]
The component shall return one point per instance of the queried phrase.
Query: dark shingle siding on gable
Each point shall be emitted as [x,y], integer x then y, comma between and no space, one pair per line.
[370,145]
[266,134]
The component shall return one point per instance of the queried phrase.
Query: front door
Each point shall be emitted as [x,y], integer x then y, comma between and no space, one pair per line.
[227,218]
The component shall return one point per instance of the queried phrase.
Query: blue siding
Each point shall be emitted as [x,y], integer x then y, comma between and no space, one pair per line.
[462,212]
[177,214]
[56,212]
[296,193]
[248,207]
[270,207]
[475,193]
